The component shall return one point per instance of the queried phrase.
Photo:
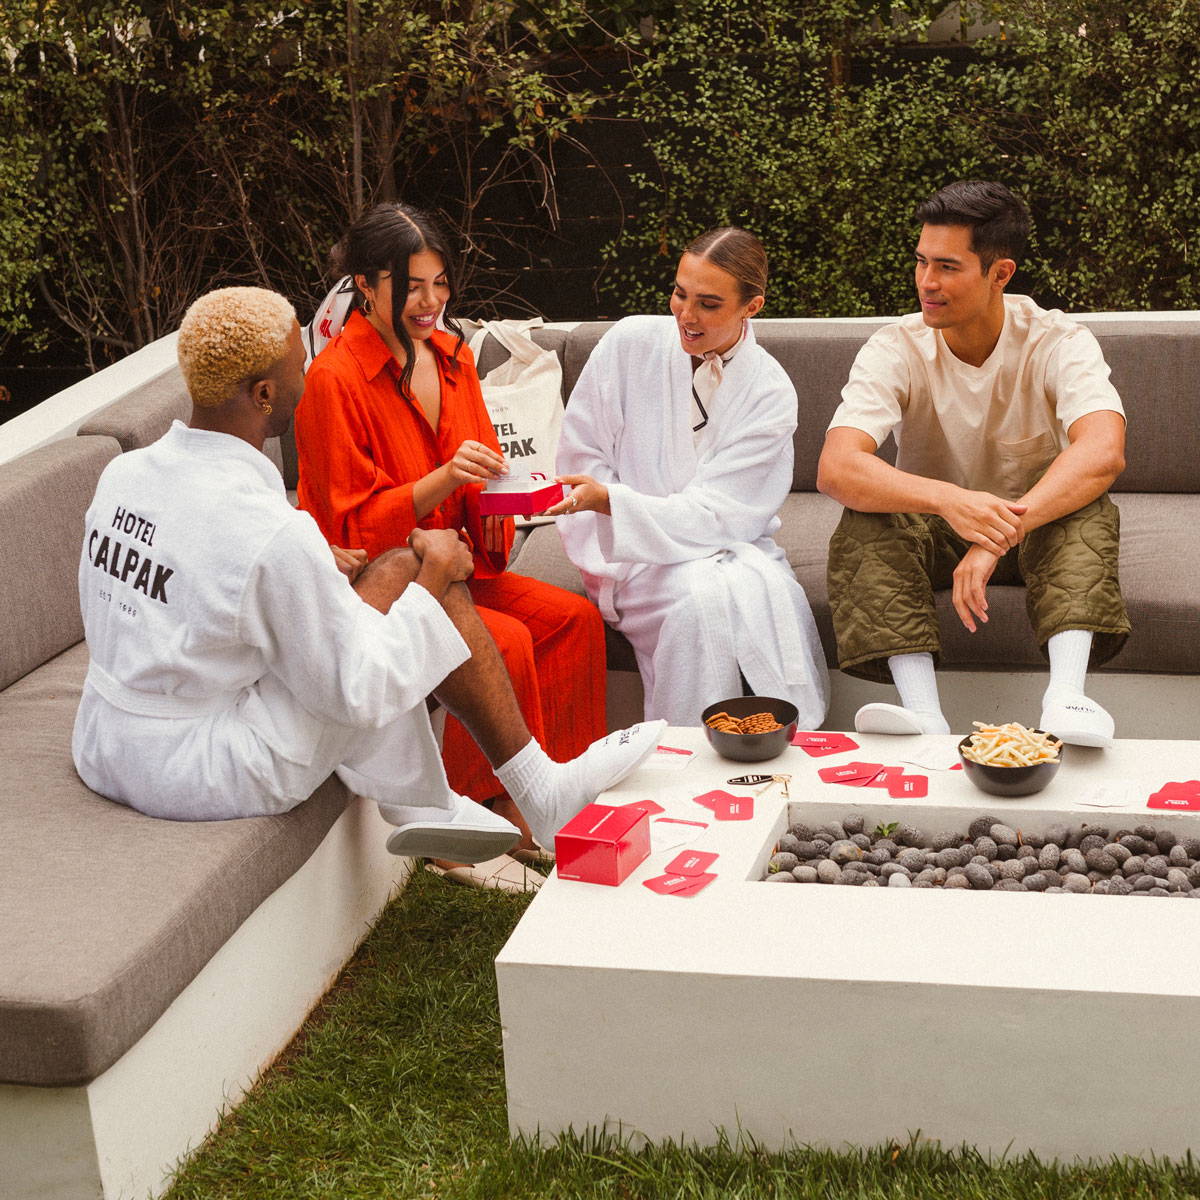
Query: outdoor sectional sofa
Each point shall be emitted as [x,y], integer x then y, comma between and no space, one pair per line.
[149,969]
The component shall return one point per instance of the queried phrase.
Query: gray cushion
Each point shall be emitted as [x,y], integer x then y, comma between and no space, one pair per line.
[1156,371]
[43,497]
[145,414]
[817,357]
[109,914]
[1160,579]
[581,342]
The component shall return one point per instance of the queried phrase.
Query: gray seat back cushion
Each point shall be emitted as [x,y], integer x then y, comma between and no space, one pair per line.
[1156,371]
[43,497]
[145,414]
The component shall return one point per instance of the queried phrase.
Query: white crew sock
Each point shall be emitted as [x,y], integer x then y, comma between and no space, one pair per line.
[1066,709]
[921,710]
[549,794]
[1069,653]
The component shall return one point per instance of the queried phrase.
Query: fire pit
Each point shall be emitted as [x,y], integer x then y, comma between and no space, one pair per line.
[663,1016]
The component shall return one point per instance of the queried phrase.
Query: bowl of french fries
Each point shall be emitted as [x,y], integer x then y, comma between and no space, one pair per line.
[1010,760]
[750,728]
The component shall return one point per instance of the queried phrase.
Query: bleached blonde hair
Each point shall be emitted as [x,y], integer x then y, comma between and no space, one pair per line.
[229,336]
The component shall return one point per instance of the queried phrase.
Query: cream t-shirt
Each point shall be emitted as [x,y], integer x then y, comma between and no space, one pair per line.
[993,428]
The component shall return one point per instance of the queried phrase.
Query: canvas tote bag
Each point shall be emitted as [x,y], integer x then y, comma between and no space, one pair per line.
[524,399]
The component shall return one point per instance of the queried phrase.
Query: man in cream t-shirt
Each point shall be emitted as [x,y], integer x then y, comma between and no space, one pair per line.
[1009,436]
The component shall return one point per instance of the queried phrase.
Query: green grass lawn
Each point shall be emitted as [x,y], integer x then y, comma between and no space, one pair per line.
[395,1088]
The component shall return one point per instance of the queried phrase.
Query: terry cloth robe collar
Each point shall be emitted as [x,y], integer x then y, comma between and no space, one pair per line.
[707,378]
[214,446]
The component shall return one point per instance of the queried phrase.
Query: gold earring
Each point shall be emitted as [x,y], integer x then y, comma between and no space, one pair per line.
[368,307]
[266,409]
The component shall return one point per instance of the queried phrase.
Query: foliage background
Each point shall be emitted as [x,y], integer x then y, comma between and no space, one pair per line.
[150,149]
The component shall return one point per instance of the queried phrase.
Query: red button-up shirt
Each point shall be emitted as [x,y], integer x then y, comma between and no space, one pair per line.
[362,445]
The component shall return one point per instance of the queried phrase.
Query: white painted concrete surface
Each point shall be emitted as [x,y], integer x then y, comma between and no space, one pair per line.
[842,1015]
[63,413]
[122,1136]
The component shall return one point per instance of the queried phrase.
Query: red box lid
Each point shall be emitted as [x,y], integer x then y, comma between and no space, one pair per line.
[602,822]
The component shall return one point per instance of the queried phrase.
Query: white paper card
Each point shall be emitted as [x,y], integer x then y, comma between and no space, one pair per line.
[668,832]
[932,755]
[668,758]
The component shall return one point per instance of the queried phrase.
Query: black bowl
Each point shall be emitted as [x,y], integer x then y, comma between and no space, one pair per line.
[1010,781]
[751,747]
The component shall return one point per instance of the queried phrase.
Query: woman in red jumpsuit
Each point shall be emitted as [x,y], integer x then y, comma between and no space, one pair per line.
[392,433]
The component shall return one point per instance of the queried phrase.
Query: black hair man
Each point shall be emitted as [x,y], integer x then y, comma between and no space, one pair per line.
[1009,436]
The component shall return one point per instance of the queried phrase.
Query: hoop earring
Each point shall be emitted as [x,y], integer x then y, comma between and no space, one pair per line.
[266,409]
[368,308]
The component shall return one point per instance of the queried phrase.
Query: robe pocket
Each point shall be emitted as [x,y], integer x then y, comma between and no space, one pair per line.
[1021,464]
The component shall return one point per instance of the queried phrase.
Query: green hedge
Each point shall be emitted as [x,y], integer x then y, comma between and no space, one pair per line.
[811,126]
[150,150]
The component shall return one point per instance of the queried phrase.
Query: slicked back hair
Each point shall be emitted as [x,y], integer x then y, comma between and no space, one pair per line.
[737,252]
[383,239]
[998,219]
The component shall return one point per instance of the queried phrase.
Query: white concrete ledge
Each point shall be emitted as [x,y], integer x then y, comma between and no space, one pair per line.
[122,1136]
[63,413]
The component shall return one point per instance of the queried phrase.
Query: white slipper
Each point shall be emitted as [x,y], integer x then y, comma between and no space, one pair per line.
[1079,722]
[886,718]
[470,833]
[503,874]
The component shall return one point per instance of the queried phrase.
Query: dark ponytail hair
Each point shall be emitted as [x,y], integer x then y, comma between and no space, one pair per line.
[383,239]
[738,253]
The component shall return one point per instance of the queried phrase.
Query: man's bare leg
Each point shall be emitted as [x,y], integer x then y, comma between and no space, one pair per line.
[380,585]
[469,831]
[480,694]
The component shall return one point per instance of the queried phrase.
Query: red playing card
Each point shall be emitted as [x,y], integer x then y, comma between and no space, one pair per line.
[885,777]
[826,751]
[664,885]
[908,785]
[803,738]
[698,884]
[736,808]
[648,806]
[712,799]
[858,773]
[691,862]
[1174,802]
[1189,787]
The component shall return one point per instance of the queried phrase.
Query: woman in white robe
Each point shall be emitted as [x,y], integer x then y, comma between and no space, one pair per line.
[677,443]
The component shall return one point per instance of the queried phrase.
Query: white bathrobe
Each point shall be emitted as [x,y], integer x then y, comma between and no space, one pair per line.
[233,667]
[687,566]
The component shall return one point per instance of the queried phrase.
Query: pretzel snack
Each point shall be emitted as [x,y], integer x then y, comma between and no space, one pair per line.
[762,722]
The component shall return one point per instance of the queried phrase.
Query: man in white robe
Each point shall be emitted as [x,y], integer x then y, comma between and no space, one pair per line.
[236,661]
[685,563]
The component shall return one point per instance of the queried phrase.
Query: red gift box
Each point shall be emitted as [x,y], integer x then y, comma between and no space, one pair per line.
[521,496]
[602,844]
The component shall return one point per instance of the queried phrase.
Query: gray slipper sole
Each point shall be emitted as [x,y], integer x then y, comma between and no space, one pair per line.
[457,843]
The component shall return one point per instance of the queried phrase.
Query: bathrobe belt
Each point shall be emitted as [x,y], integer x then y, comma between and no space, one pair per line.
[156,704]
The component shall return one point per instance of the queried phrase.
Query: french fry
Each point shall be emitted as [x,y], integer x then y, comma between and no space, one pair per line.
[1010,745]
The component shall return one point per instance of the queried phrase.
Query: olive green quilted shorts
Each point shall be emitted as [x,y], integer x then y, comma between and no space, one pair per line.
[884,568]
